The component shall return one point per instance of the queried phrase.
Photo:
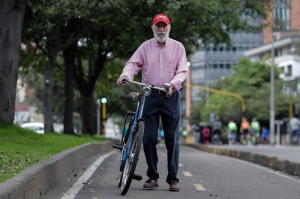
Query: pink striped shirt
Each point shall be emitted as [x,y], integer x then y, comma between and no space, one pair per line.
[166,64]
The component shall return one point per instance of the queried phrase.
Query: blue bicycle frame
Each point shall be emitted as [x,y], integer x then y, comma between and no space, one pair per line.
[136,117]
[132,139]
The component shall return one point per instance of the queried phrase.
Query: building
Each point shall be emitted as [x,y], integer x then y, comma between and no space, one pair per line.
[285,16]
[22,113]
[214,62]
[284,54]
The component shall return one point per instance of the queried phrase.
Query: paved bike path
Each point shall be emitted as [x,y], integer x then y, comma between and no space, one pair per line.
[36,180]
[281,158]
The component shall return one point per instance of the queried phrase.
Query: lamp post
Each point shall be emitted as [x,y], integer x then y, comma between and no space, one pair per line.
[98,117]
[206,83]
[272,112]
[103,108]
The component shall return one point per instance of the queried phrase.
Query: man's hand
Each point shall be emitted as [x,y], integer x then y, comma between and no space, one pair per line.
[170,91]
[119,82]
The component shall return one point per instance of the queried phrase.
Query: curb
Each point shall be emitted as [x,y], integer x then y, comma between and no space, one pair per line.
[291,168]
[36,180]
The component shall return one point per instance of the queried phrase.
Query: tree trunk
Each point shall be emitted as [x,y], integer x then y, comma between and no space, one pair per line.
[86,87]
[11,22]
[53,48]
[69,60]
[48,113]
[88,112]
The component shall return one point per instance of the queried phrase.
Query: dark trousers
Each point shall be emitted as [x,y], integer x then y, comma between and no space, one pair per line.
[169,109]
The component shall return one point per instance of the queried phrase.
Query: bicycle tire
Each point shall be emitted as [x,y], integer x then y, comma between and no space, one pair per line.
[133,157]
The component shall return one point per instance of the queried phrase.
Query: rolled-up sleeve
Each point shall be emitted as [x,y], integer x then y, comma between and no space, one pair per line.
[133,65]
[182,70]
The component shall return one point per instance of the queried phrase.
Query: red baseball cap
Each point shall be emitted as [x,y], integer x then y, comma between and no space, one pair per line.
[161,18]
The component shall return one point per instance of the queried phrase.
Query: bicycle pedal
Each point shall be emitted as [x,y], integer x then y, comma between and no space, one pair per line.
[137,177]
[117,146]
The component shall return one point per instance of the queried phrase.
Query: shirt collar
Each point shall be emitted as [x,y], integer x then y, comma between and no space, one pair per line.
[166,43]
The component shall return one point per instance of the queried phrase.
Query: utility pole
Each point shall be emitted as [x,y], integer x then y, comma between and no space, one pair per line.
[272,112]
[98,117]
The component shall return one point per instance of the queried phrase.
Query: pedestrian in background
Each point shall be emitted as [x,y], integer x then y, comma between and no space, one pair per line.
[245,130]
[232,131]
[206,135]
[161,136]
[293,128]
[255,130]
[162,60]
[264,135]
[184,134]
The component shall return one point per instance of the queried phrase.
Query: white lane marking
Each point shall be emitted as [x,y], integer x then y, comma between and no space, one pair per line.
[187,173]
[180,165]
[269,170]
[199,187]
[73,191]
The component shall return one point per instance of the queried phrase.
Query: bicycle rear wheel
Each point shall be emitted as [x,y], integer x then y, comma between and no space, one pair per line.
[132,158]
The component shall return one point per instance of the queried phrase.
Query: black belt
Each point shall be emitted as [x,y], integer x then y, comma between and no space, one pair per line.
[158,91]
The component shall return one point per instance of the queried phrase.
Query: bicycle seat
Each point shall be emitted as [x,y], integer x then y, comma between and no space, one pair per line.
[135,95]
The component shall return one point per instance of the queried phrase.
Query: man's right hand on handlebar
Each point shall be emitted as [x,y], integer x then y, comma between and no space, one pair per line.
[120,82]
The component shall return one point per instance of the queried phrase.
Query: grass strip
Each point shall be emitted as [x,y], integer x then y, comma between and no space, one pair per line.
[20,148]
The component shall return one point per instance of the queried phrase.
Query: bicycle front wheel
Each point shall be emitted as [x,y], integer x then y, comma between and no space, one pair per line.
[133,157]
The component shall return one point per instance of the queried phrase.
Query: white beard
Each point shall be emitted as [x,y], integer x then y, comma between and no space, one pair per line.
[161,37]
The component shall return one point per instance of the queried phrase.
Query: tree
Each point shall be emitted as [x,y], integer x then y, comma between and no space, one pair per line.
[47,25]
[11,22]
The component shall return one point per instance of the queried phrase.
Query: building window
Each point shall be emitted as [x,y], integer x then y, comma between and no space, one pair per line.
[222,67]
[221,48]
[289,70]
[234,48]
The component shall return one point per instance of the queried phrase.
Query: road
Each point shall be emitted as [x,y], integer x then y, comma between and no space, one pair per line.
[202,175]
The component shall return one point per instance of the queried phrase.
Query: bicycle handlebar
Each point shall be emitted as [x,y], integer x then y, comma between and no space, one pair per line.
[165,89]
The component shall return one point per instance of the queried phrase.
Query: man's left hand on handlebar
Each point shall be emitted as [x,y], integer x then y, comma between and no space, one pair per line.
[170,91]
[120,83]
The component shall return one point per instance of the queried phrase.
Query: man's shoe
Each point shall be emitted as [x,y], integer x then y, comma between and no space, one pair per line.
[150,184]
[174,186]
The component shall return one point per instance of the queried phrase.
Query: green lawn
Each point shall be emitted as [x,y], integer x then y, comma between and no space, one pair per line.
[20,148]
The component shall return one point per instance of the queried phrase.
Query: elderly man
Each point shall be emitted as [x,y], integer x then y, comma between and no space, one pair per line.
[162,60]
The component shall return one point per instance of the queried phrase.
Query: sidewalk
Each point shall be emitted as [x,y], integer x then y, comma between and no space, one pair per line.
[283,158]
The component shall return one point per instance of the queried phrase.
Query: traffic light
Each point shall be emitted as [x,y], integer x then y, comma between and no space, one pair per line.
[103,100]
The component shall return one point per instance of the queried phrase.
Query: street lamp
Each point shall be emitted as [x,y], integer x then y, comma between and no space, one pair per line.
[272,112]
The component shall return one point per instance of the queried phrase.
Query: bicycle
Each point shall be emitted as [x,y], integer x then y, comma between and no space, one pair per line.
[131,140]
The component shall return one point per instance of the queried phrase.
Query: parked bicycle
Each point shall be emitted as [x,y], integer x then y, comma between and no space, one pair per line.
[132,138]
